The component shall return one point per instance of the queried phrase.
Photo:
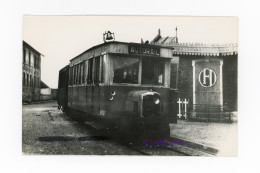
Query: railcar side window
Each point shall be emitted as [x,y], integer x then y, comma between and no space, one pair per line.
[83,72]
[90,71]
[86,71]
[74,75]
[125,70]
[70,75]
[98,70]
[152,71]
[78,73]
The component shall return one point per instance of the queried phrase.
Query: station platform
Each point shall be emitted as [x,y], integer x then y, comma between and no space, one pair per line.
[220,136]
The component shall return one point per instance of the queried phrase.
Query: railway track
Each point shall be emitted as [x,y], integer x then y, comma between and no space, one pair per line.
[165,150]
[150,150]
[162,149]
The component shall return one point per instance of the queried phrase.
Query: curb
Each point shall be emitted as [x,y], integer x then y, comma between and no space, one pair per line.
[197,146]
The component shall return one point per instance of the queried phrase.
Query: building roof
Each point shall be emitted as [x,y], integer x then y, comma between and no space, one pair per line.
[43,85]
[195,48]
[28,45]
[159,40]
[204,49]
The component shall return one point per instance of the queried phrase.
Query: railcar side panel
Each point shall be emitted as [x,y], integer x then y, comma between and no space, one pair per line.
[89,97]
[70,95]
[63,87]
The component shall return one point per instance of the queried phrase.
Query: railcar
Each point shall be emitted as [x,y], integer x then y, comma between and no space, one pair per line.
[121,86]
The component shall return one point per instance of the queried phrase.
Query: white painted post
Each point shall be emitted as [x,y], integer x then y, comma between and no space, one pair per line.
[185,108]
[193,75]
[179,102]
[221,85]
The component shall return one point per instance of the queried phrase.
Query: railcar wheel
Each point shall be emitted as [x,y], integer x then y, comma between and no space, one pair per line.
[124,128]
[164,131]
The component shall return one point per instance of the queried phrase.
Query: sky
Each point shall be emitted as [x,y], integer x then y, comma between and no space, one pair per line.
[61,38]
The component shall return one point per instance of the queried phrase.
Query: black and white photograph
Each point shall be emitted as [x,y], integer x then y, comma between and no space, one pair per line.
[130,85]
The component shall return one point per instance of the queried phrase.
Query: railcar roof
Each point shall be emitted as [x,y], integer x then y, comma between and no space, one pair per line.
[127,43]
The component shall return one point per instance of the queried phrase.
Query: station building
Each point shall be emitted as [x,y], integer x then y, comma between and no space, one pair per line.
[205,76]
[31,73]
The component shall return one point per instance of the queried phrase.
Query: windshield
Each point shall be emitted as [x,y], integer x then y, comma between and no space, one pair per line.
[125,70]
[152,71]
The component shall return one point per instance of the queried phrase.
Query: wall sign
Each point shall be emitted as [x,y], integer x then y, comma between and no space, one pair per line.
[144,50]
[207,77]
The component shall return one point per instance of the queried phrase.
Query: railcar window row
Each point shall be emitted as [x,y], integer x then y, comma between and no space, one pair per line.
[128,70]
[87,72]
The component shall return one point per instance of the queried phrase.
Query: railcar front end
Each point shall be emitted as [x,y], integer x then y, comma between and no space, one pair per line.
[124,86]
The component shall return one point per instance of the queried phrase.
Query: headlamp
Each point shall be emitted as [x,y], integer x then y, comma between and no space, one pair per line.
[156,100]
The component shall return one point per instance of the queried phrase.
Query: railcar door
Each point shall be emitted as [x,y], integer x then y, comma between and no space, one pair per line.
[89,88]
[96,86]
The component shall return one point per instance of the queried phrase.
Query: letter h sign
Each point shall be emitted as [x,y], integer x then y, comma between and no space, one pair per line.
[182,107]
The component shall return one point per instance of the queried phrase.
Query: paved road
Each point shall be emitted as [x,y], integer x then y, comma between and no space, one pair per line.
[46,130]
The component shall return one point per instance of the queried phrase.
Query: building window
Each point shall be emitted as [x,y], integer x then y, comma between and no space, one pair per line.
[29,58]
[36,62]
[23,79]
[35,84]
[32,60]
[30,80]
[24,56]
[27,81]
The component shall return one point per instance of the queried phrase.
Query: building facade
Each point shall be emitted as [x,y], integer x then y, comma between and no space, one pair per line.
[31,73]
[204,74]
